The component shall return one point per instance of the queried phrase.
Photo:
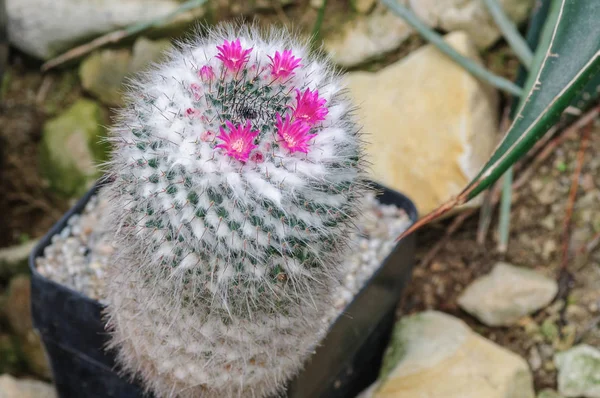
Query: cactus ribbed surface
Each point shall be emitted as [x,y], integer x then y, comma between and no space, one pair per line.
[237,173]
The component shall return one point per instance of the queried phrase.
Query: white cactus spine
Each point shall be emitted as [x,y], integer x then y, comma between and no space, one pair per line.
[230,225]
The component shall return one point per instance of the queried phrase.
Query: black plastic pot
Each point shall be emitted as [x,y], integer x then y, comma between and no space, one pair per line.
[346,362]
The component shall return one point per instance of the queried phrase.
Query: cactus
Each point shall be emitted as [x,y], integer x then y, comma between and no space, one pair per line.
[237,172]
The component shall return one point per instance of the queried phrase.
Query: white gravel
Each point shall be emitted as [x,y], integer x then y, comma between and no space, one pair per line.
[78,255]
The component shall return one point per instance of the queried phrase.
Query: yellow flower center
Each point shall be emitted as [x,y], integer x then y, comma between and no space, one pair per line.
[238,145]
[290,140]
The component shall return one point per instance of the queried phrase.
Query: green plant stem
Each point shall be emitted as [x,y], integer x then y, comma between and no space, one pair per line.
[510,33]
[534,33]
[438,41]
[319,22]
[505,202]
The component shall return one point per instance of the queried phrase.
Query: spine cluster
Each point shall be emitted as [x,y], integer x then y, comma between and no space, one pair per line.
[237,173]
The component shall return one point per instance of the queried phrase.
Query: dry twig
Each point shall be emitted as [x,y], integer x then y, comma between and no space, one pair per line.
[566,231]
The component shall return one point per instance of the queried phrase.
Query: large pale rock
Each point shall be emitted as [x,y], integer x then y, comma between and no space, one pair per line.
[25,388]
[104,73]
[431,125]
[507,294]
[435,355]
[367,37]
[45,28]
[470,16]
[579,372]
[72,146]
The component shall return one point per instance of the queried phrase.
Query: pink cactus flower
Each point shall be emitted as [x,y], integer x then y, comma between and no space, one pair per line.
[233,56]
[206,73]
[294,135]
[196,91]
[309,107]
[257,157]
[207,136]
[239,142]
[193,113]
[283,65]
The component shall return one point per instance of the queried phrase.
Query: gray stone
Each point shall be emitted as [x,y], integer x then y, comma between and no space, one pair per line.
[11,387]
[367,37]
[72,146]
[470,16]
[435,355]
[46,28]
[146,52]
[13,260]
[104,73]
[507,294]
[579,372]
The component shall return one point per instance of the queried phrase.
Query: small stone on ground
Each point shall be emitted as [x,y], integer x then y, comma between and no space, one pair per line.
[470,16]
[11,387]
[72,146]
[506,294]
[367,37]
[579,372]
[435,355]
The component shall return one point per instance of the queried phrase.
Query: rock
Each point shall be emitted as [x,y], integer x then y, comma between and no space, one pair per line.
[13,260]
[548,393]
[71,148]
[579,372]
[507,294]
[18,313]
[431,125]
[146,52]
[363,6]
[470,16]
[367,37]
[25,388]
[435,355]
[316,4]
[104,72]
[46,28]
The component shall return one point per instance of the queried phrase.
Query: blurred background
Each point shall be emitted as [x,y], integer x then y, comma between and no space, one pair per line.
[432,125]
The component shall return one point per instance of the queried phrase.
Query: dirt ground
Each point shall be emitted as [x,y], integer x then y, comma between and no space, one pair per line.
[536,241]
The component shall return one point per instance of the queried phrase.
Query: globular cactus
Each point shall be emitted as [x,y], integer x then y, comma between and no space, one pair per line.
[237,172]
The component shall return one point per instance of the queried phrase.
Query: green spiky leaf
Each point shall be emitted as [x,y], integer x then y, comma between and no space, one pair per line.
[571,59]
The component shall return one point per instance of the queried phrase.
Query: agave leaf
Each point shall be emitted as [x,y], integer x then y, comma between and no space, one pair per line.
[570,60]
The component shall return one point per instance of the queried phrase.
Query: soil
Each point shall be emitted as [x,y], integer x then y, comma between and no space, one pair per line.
[536,241]
[29,208]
